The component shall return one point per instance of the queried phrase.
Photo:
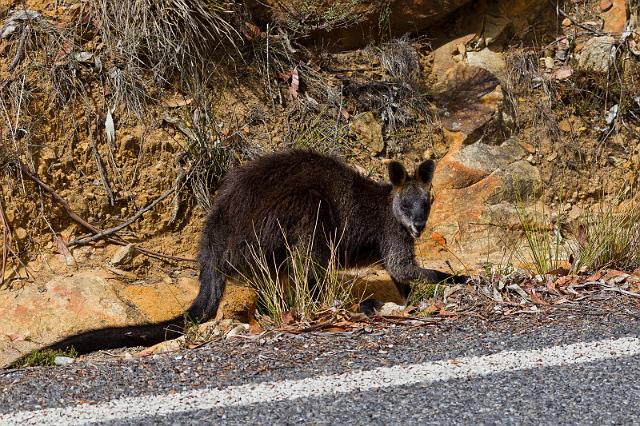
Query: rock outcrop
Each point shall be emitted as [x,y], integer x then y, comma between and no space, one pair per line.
[33,317]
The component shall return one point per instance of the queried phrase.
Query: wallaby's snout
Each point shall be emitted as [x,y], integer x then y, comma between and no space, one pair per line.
[418,228]
[411,202]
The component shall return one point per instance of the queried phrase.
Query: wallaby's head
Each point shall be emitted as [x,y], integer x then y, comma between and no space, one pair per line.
[411,198]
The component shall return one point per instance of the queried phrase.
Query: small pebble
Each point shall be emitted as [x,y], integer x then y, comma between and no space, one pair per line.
[63,360]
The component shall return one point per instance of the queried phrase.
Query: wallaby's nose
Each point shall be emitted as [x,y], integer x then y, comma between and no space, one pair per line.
[419,227]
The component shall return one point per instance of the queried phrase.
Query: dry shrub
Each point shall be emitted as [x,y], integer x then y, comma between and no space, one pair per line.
[45,51]
[209,154]
[607,238]
[320,128]
[165,36]
[161,39]
[524,77]
[302,17]
[299,287]
[277,57]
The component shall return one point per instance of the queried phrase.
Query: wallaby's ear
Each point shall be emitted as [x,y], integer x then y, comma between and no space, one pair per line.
[424,172]
[397,173]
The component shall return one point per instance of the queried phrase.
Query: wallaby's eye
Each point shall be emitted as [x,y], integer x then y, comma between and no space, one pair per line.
[405,206]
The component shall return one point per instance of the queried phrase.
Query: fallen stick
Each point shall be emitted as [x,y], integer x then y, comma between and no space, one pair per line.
[58,198]
[74,216]
[101,170]
[161,256]
[621,291]
[6,241]
[124,224]
[22,45]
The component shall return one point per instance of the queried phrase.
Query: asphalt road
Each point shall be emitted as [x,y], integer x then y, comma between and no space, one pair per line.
[577,367]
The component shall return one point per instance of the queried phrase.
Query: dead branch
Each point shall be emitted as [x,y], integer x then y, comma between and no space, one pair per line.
[162,256]
[74,216]
[621,291]
[124,224]
[101,170]
[6,241]
[22,45]
[24,169]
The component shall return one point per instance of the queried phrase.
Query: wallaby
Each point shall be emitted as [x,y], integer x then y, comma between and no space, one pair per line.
[284,198]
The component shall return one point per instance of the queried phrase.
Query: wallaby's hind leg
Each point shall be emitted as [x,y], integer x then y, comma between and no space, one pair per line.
[403,288]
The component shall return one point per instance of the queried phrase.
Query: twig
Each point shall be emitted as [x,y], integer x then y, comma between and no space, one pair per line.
[6,241]
[621,291]
[126,223]
[162,256]
[89,226]
[320,326]
[21,47]
[101,171]
[58,198]
[573,21]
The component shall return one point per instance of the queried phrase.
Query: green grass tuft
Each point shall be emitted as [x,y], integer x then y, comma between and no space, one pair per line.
[42,358]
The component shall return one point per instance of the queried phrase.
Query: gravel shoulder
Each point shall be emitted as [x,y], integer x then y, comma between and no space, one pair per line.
[277,356]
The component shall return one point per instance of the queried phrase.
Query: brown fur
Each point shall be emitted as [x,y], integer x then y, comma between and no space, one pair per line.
[297,193]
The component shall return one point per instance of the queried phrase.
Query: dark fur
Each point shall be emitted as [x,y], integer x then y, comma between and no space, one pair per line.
[295,193]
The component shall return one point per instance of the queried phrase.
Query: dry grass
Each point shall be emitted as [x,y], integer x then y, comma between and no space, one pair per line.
[608,238]
[277,55]
[302,17]
[209,154]
[544,243]
[524,78]
[323,130]
[299,288]
[400,98]
[160,40]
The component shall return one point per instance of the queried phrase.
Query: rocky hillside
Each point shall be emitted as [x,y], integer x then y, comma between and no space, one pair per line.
[119,118]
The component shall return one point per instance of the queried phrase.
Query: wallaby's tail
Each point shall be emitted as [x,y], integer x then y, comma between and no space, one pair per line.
[203,308]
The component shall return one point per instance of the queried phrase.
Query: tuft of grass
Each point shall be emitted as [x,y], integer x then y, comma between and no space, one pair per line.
[300,287]
[607,239]
[400,99]
[425,291]
[208,154]
[276,54]
[319,130]
[302,17]
[524,78]
[165,39]
[43,358]
[543,238]
[196,334]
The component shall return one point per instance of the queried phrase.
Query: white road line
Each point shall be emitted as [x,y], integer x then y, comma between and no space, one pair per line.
[319,386]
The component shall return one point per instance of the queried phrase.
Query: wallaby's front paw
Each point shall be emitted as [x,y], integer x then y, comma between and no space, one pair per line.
[370,306]
[460,279]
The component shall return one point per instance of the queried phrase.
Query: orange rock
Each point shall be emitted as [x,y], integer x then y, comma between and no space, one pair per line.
[605,5]
[94,299]
[614,15]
